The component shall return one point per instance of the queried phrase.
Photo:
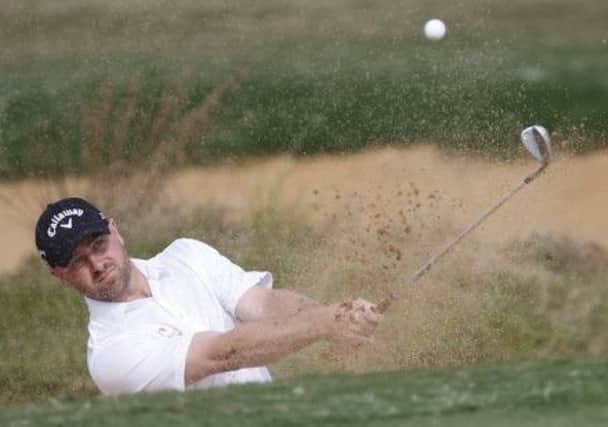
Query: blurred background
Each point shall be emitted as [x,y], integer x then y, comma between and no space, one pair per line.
[332,144]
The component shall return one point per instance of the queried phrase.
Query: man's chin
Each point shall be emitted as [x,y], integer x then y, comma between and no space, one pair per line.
[109,292]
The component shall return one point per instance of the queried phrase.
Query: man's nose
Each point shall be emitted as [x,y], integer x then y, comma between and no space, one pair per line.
[96,263]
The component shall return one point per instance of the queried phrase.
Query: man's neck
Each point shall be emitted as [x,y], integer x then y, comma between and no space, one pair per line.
[138,285]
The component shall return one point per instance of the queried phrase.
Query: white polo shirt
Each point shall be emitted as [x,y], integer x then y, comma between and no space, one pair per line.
[142,345]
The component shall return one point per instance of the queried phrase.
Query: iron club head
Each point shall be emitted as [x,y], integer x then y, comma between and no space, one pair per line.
[537,141]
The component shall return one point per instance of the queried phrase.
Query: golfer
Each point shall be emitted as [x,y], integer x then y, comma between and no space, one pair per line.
[187,317]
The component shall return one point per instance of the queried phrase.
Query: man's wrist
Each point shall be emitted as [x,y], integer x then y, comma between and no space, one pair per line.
[324,320]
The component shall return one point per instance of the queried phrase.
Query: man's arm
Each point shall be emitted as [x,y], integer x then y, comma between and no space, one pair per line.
[255,343]
[265,341]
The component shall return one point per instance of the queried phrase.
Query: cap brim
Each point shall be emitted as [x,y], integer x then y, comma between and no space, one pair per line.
[98,227]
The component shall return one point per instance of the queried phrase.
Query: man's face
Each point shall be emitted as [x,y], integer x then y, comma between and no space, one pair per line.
[99,267]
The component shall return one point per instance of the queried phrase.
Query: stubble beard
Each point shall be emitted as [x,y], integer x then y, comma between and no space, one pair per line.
[122,285]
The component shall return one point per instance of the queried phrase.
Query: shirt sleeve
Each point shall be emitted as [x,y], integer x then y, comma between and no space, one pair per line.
[228,281]
[143,361]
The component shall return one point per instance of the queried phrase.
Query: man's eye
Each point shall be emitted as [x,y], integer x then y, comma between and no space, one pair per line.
[99,245]
[76,264]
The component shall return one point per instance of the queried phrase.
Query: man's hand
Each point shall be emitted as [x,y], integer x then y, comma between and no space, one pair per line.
[353,325]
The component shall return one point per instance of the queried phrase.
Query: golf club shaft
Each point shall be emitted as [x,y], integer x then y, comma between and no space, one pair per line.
[394,294]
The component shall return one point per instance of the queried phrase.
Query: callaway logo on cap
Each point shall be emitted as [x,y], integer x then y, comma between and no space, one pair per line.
[63,225]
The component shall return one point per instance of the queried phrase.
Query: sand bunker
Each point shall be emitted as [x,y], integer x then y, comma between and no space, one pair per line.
[378,190]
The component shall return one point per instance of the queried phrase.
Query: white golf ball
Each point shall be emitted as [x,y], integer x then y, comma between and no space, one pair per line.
[434,29]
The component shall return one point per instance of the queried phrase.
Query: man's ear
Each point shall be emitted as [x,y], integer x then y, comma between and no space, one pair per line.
[56,272]
[59,274]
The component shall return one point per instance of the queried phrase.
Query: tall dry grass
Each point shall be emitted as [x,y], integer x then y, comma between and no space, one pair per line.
[127,148]
[542,297]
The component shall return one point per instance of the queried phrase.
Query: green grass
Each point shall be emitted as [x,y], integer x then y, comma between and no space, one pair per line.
[560,393]
[42,332]
[309,78]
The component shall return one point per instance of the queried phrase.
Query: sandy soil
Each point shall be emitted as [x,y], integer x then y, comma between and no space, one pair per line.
[416,186]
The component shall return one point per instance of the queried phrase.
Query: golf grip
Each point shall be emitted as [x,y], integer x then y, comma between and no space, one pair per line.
[383,305]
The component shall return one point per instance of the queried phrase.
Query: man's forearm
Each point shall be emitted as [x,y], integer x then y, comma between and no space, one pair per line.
[268,340]
[257,343]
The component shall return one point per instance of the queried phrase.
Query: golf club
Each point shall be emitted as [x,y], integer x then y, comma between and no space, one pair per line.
[538,143]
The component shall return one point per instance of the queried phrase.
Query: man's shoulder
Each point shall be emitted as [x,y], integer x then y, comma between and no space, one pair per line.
[186,252]
[187,247]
